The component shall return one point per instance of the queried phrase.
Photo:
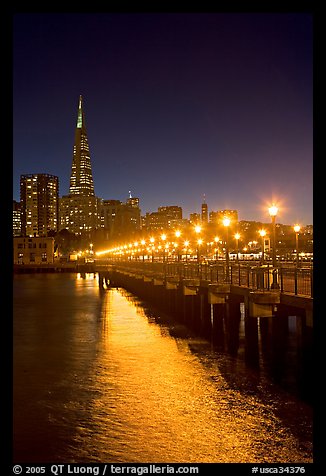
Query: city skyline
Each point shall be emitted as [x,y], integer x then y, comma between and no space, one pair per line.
[178,107]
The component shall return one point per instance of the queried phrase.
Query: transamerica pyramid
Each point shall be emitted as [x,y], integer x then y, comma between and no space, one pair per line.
[81,179]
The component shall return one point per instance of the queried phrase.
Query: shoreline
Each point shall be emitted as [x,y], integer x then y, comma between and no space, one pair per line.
[54,268]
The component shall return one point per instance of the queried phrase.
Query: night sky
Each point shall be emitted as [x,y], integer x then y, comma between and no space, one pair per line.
[178,106]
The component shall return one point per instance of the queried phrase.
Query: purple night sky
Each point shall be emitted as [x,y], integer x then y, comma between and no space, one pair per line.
[177,106]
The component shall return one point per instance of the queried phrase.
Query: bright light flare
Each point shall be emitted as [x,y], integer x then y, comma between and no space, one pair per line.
[273,210]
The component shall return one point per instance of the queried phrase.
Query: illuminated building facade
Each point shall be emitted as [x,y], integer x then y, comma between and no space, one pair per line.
[120,219]
[33,250]
[194,218]
[39,202]
[217,217]
[79,210]
[204,213]
[165,218]
[81,179]
[16,221]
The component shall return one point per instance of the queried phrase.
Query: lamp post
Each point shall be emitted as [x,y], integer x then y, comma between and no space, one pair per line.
[152,242]
[273,212]
[262,234]
[226,223]
[186,244]
[216,239]
[143,242]
[163,238]
[136,250]
[178,234]
[297,230]
[198,230]
[237,236]
[199,242]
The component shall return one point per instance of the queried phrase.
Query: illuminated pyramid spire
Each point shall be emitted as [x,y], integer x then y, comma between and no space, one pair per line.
[81,179]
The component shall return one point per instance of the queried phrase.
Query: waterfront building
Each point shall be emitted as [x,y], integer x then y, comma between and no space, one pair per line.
[39,204]
[79,210]
[33,250]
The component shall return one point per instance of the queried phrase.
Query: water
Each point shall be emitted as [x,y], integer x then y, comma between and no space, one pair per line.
[98,377]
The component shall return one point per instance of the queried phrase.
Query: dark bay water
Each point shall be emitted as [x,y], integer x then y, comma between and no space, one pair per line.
[98,377]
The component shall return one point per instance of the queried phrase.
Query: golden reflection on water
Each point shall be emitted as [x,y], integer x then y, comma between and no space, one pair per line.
[98,380]
[157,403]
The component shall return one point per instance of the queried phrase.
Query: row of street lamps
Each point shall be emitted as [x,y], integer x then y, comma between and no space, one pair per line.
[273,210]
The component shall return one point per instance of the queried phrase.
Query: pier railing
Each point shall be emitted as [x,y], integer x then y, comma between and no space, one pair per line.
[288,278]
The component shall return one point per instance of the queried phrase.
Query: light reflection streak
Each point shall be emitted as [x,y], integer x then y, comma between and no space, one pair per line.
[154,394]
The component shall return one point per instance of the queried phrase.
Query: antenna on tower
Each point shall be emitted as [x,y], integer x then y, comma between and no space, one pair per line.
[204,198]
[130,194]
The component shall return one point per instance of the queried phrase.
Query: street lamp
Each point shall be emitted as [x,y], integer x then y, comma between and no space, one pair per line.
[152,242]
[178,234]
[163,238]
[136,250]
[200,242]
[273,212]
[262,234]
[143,242]
[198,230]
[297,230]
[237,236]
[186,244]
[216,239]
[226,223]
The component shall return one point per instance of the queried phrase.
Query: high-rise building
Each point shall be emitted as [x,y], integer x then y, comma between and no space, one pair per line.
[204,213]
[16,221]
[173,212]
[39,202]
[194,218]
[218,216]
[79,210]
[81,179]
[166,217]
[120,219]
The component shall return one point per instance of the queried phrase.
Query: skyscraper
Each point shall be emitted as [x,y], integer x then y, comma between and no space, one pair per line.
[79,210]
[204,213]
[39,202]
[81,179]
[16,222]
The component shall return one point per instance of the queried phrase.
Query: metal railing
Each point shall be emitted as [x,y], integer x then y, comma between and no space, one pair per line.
[287,279]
